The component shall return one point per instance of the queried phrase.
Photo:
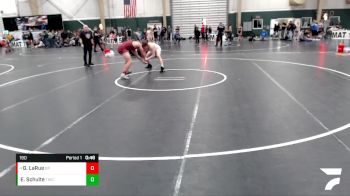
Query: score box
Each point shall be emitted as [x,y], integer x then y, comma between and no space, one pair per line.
[57,170]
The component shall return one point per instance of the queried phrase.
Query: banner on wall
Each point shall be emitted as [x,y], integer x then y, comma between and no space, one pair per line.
[26,22]
[341,34]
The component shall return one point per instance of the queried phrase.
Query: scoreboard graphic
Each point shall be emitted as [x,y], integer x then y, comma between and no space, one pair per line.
[57,170]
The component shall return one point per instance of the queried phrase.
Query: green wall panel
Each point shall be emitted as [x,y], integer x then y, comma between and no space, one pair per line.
[344,16]
[267,16]
[74,25]
[232,20]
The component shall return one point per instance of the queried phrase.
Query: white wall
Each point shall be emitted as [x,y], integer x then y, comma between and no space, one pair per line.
[145,8]
[335,4]
[275,5]
[85,9]
[187,13]
[280,5]
[9,8]
[232,6]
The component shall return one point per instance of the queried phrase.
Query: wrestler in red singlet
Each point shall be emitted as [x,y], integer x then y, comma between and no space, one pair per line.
[124,49]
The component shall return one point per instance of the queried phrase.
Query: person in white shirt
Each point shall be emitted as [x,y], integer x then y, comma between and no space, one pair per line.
[153,50]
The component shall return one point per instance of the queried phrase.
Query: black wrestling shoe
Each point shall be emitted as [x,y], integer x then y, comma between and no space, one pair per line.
[149,66]
[91,64]
[162,69]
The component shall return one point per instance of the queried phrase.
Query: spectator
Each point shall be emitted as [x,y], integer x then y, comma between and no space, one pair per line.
[150,35]
[314,28]
[284,31]
[86,41]
[162,34]
[65,39]
[276,29]
[177,36]
[210,32]
[155,33]
[45,38]
[203,31]
[169,32]
[197,34]
[97,39]
[206,32]
[290,29]
[229,34]
[305,36]
[220,29]
[128,33]
[30,39]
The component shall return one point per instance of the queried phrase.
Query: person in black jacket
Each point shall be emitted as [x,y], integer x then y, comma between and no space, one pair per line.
[221,29]
[155,33]
[197,33]
[86,41]
[97,39]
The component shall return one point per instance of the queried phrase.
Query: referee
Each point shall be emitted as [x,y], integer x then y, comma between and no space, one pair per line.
[86,41]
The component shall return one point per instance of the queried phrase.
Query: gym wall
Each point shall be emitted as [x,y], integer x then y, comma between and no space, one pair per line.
[148,10]
[271,9]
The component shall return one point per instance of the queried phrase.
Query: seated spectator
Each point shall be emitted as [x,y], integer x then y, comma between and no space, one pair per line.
[263,35]
[112,35]
[314,28]
[177,36]
[305,36]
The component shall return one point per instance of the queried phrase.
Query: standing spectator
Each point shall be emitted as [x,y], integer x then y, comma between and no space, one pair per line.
[206,32]
[229,34]
[210,31]
[50,39]
[203,31]
[144,34]
[123,33]
[169,32]
[75,38]
[197,34]
[138,34]
[284,31]
[128,33]
[159,31]
[45,38]
[150,35]
[25,36]
[293,28]
[155,33]
[290,30]
[97,39]
[220,29]
[86,41]
[57,39]
[276,30]
[162,34]
[240,33]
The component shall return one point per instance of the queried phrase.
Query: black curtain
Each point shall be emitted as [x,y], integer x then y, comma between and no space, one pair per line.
[55,22]
[10,24]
